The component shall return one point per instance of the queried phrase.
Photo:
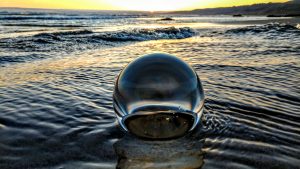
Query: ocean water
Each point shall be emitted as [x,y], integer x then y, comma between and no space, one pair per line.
[57,73]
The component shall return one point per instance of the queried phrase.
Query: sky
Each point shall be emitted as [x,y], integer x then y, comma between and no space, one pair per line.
[143,5]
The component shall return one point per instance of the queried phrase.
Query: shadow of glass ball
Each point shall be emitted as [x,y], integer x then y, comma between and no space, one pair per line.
[158,96]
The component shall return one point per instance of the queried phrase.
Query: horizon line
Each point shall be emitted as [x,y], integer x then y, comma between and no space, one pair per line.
[139,10]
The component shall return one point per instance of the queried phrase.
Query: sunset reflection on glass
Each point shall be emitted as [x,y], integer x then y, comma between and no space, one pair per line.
[158,96]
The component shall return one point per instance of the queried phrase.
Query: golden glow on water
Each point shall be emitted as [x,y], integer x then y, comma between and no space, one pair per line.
[145,5]
[118,57]
[43,70]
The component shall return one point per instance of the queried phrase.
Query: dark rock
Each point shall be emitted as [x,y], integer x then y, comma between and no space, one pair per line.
[275,15]
[238,15]
[167,19]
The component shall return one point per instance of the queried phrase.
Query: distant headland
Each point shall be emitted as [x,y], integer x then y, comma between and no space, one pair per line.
[288,9]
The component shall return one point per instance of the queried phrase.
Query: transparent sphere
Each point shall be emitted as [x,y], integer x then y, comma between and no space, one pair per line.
[158,96]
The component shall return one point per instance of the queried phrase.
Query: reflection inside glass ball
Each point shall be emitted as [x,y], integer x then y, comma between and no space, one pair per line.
[158,96]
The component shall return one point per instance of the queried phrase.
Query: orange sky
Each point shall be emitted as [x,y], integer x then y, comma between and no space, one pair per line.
[145,5]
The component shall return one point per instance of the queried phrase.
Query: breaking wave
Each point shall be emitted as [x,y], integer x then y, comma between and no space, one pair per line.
[266,28]
[60,34]
[87,36]
[69,41]
[148,34]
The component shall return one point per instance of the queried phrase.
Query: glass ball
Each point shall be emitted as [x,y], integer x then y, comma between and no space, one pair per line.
[158,96]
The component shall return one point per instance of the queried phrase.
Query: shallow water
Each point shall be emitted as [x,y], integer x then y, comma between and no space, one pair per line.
[56,90]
